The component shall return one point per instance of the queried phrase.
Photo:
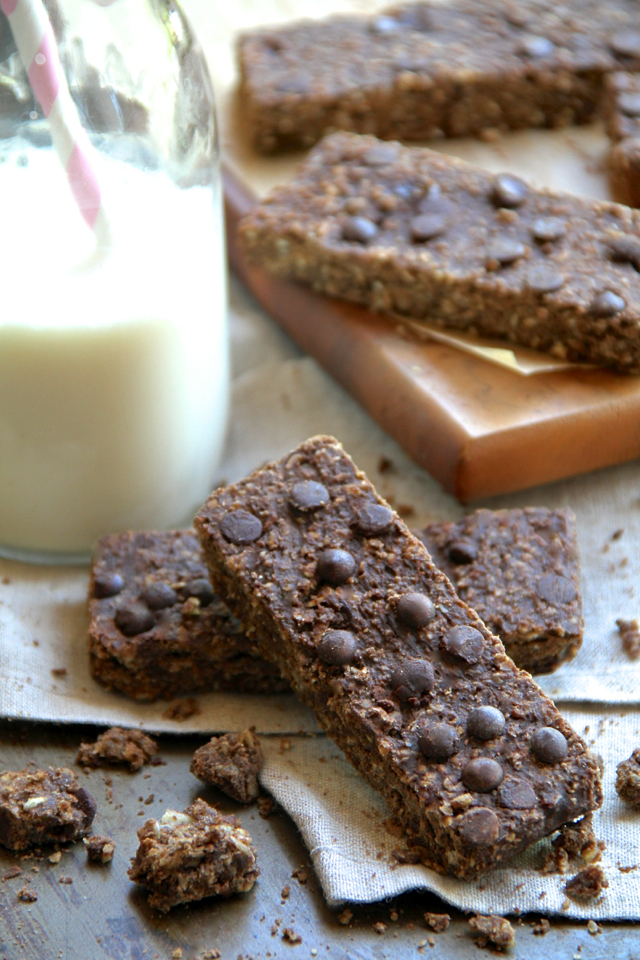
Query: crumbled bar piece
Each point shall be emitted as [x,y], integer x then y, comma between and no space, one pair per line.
[628,780]
[519,570]
[587,885]
[157,629]
[622,123]
[231,763]
[579,840]
[291,936]
[471,757]
[118,746]
[630,634]
[408,230]
[100,849]
[438,922]
[182,710]
[43,806]
[12,872]
[493,931]
[421,71]
[266,806]
[541,928]
[194,854]
[27,894]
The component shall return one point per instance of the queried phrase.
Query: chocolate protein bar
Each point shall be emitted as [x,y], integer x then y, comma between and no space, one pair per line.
[467,751]
[423,70]
[411,231]
[519,570]
[157,630]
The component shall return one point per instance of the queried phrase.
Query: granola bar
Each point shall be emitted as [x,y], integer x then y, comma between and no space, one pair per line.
[411,231]
[194,854]
[519,571]
[423,70]
[43,806]
[471,757]
[157,629]
[622,122]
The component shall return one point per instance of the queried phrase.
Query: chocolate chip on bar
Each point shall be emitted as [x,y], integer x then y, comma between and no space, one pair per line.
[622,122]
[549,271]
[519,570]
[422,71]
[158,630]
[469,754]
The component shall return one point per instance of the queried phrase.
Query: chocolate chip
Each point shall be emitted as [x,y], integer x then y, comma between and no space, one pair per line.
[462,551]
[337,648]
[373,519]
[202,590]
[485,723]
[437,741]
[240,527]
[548,229]
[427,226]
[536,47]
[359,230]
[335,566]
[411,679]
[509,191]
[464,642]
[479,827]
[134,620]
[549,745]
[309,495]
[506,251]
[625,249]
[626,44]
[107,585]
[516,794]
[380,154]
[544,279]
[606,304]
[482,774]
[159,595]
[556,589]
[629,104]
[415,610]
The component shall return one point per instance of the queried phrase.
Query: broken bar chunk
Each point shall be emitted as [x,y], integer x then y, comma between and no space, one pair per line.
[410,231]
[519,571]
[43,806]
[422,71]
[471,757]
[157,628]
[195,854]
[622,123]
[132,748]
[628,780]
[232,763]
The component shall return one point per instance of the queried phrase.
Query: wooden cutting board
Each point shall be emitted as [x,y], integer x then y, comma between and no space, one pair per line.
[478,428]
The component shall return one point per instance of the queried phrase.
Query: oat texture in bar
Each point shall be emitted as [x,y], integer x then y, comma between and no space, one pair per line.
[193,854]
[422,71]
[157,630]
[43,806]
[410,231]
[469,754]
[519,570]
[622,121]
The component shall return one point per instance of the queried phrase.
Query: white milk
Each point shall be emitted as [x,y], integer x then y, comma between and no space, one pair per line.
[113,379]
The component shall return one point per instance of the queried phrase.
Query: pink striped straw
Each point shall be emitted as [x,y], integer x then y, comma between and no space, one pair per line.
[38,51]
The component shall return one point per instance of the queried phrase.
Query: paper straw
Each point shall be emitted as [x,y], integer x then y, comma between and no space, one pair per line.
[38,51]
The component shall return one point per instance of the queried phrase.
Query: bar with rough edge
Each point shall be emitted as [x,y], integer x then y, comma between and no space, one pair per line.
[327,580]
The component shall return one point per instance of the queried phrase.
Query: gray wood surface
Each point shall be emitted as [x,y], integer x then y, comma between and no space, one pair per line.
[101,915]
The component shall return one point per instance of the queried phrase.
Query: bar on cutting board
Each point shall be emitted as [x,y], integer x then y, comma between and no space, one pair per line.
[466,750]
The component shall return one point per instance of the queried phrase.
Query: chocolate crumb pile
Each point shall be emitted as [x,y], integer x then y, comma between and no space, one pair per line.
[118,746]
[587,885]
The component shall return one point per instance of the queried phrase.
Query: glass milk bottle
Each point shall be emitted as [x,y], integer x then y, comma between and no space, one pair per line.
[113,342]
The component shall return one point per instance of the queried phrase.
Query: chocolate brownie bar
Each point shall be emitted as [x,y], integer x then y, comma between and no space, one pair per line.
[420,71]
[519,571]
[409,230]
[43,806]
[471,757]
[158,630]
[195,854]
[622,122]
